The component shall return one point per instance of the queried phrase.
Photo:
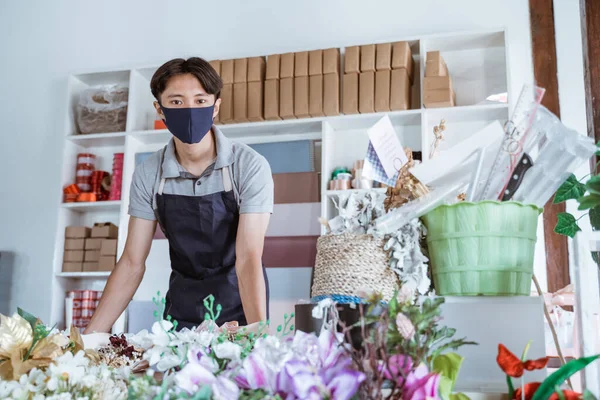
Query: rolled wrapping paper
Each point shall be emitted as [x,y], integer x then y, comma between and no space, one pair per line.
[345,176]
[360,164]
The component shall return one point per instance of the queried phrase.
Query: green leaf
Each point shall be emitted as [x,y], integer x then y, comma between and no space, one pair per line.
[566,225]
[204,393]
[445,387]
[559,393]
[511,387]
[459,396]
[33,321]
[565,372]
[593,184]
[595,218]
[570,189]
[589,201]
[448,366]
[587,395]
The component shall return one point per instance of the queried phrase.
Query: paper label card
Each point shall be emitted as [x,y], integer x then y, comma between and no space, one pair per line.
[389,150]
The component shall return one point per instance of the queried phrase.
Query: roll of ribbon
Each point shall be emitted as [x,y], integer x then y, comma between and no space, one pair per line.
[344,176]
[71,189]
[86,197]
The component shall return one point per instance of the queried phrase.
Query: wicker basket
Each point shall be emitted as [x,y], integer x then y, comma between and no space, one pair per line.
[348,264]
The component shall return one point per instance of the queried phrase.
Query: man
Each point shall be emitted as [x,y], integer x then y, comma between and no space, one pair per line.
[211,197]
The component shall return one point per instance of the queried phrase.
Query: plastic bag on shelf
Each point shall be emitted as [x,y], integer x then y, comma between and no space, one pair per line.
[102,109]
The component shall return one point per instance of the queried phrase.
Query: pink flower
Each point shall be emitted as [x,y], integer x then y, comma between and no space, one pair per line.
[299,379]
[421,385]
[193,376]
[398,367]
[345,384]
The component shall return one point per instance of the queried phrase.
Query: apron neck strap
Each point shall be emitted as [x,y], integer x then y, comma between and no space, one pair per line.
[161,186]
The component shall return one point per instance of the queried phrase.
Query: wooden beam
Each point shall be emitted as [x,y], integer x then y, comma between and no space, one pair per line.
[543,42]
[590,37]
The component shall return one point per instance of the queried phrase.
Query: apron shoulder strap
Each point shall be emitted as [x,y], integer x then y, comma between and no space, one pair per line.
[228,183]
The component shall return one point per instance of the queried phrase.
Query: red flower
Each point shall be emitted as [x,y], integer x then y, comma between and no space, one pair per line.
[513,366]
[530,389]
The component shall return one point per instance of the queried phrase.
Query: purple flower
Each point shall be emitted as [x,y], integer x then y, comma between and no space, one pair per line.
[329,348]
[193,376]
[398,366]
[199,356]
[421,385]
[224,389]
[345,384]
[299,379]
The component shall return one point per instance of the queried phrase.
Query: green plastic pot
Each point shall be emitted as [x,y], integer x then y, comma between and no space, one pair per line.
[482,249]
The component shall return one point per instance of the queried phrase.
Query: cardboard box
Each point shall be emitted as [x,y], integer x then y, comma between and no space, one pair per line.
[350,93]
[400,90]
[109,247]
[77,232]
[315,96]
[286,98]
[331,61]
[286,68]
[255,101]
[91,256]
[435,65]
[383,60]
[331,94]
[227,71]
[383,81]
[240,102]
[352,60]
[402,58]
[296,187]
[226,109]
[72,267]
[216,64]
[437,83]
[90,266]
[315,63]
[74,244]
[240,70]
[272,100]
[439,98]
[73,256]
[301,97]
[93,244]
[301,63]
[107,263]
[105,230]
[366,92]
[272,67]
[256,69]
[367,58]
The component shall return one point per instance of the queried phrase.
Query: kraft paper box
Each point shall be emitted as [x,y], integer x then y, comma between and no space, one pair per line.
[350,93]
[109,247]
[315,96]
[105,230]
[400,90]
[315,62]
[90,266]
[72,267]
[331,95]
[286,68]
[272,67]
[435,65]
[402,58]
[383,60]
[301,97]
[227,71]
[226,109]
[296,187]
[301,63]
[91,256]
[106,263]
[74,244]
[240,102]
[437,83]
[240,70]
[272,100]
[352,59]
[73,256]
[366,92]
[382,90]
[93,244]
[216,64]
[77,232]
[286,98]
[367,58]
[255,101]
[256,69]
[331,61]
[439,98]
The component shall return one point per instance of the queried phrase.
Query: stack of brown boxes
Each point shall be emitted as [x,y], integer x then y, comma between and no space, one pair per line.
[286,86]
[256,79]
[106,254]
[272,88]
[75,237]
[437,85]
[403,67]
[217,67]
[315,83]
[226,109]
[350,82]
[301,85]
[331,82]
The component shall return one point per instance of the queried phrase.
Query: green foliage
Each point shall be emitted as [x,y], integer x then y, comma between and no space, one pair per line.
[459,396]
[559,377]
[570,189]
[589,201]
[566,225]
[33,321]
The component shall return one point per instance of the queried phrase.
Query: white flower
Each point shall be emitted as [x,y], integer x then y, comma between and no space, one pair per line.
[67,368]
[160,335]
[225,389]
[7,388]
[35,381]
[167,362]
[202,338]
[228,350]
[193,376]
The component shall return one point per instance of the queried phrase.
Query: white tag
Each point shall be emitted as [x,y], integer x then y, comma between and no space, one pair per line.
[389,150]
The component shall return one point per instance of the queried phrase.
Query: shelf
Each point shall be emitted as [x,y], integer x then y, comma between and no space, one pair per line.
[99,139]
[99,274]
[333,193]
[490,110]
[93,206]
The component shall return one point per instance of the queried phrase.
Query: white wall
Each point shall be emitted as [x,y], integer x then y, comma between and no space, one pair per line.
[41,42]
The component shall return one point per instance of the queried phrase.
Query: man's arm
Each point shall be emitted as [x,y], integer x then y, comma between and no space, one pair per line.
[249,248]
[126,277]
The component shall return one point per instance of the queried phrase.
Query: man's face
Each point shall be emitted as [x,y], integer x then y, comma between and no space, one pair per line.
[185,91]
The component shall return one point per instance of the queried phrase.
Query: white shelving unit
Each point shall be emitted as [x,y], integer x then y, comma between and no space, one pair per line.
[476,61]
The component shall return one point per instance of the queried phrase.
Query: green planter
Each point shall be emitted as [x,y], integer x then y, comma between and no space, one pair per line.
[482,249]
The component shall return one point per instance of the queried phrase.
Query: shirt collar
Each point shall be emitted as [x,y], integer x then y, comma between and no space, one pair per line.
[171,167]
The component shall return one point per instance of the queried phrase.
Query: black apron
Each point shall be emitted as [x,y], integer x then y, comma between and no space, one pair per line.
[202,231]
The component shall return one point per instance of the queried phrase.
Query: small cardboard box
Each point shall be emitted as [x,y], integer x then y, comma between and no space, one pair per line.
[91,256]
[400,90]
[383,60]
[315,96]
[366,92]
[240,102]
[382,90]
[227,71]
[439,98]
[255,101]
[350,93]
[73,256]
[105,230]
[367,58]
[402,58]
[240,70]
[315,62]
[352,59]
[256,69]
[286,69]
[72,267]
[437,83]
[435,65]
[107,263]
[296,187]
[109,247]
[272,100]
[331,61]
[77,232]
[216,64]
[93,244]
[301,64]
[74,244]
[90,266]
[331,95]
[272,67]
[301,97]
[286,98]
[226,109]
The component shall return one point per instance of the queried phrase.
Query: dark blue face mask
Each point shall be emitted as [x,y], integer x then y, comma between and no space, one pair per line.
[189,125]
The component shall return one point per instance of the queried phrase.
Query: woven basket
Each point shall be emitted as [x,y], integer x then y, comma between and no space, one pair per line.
[348,264]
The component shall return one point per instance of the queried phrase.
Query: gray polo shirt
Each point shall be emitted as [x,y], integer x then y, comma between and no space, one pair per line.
[251,173]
